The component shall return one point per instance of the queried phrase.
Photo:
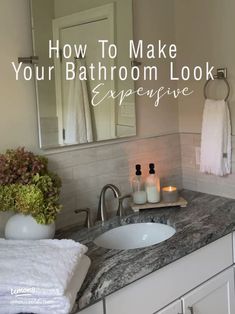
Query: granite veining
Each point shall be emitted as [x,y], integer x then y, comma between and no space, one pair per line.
[205,219]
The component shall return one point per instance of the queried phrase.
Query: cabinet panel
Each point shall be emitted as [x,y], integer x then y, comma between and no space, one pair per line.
[153,292]
[174,308]
[234,247]
[217,296]
[94,309]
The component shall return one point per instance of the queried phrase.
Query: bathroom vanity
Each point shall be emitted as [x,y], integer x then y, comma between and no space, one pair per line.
[192,282]
[190,273]
[189,281]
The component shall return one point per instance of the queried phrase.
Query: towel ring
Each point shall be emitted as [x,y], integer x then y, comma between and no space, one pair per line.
[221,75]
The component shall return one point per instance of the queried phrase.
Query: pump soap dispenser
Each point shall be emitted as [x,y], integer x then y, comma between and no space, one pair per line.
[138,187]
[153,186]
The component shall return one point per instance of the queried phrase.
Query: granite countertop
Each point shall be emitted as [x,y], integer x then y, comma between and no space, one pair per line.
[205,219]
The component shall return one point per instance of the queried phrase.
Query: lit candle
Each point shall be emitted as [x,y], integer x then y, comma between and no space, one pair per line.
[169,194]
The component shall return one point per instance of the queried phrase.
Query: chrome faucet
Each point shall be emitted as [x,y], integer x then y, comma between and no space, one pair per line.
[102,210]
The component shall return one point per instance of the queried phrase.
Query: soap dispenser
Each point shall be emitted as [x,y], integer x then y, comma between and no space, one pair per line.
[138,187]
[153,186]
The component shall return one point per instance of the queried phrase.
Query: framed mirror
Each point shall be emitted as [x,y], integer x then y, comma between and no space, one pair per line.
[69,37]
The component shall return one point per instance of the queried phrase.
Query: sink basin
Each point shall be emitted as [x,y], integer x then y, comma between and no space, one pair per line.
[135,236]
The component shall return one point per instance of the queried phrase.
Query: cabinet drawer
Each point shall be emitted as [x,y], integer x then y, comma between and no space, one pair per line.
[153,292]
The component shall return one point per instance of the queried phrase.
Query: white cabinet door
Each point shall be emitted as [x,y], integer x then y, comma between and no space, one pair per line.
[93,309]
[174,308]
[217,296]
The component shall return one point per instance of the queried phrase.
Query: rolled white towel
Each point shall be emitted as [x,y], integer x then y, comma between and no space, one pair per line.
[41,268]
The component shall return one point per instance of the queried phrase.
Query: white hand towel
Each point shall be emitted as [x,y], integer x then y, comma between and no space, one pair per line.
[78,127]
[43,268]
[216,138]
[47,305]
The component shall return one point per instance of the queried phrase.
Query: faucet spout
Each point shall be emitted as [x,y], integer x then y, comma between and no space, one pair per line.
[102,210]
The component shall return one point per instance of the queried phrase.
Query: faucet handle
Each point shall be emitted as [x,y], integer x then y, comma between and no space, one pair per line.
[88,222]
[120,211]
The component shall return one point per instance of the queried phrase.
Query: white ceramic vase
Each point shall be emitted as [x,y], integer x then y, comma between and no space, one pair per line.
[4,217]
[25,227]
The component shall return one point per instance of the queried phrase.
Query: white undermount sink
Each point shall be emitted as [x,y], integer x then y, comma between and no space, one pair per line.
[135,236]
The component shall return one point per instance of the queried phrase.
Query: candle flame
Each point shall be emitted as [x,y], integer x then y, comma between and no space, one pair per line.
[169,188]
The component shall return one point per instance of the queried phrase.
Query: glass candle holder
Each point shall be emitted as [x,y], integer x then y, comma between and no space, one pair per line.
[170,194]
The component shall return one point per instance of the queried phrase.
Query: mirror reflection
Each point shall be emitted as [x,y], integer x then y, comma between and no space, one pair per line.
[67,115]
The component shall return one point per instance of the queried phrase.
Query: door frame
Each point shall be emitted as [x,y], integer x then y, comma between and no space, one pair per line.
[92,15]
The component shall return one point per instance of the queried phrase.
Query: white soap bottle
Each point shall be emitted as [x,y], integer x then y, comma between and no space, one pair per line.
[152,185]
[138,187]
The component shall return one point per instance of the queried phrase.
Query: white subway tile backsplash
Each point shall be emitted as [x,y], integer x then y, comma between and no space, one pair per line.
[189,184]
[62,160]
[193,179]
[187,139]
[104,152]
[66,174]
[85,171]
[197,140]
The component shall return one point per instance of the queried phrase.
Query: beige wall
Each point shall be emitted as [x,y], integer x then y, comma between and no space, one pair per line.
[204,32]
[18,122]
